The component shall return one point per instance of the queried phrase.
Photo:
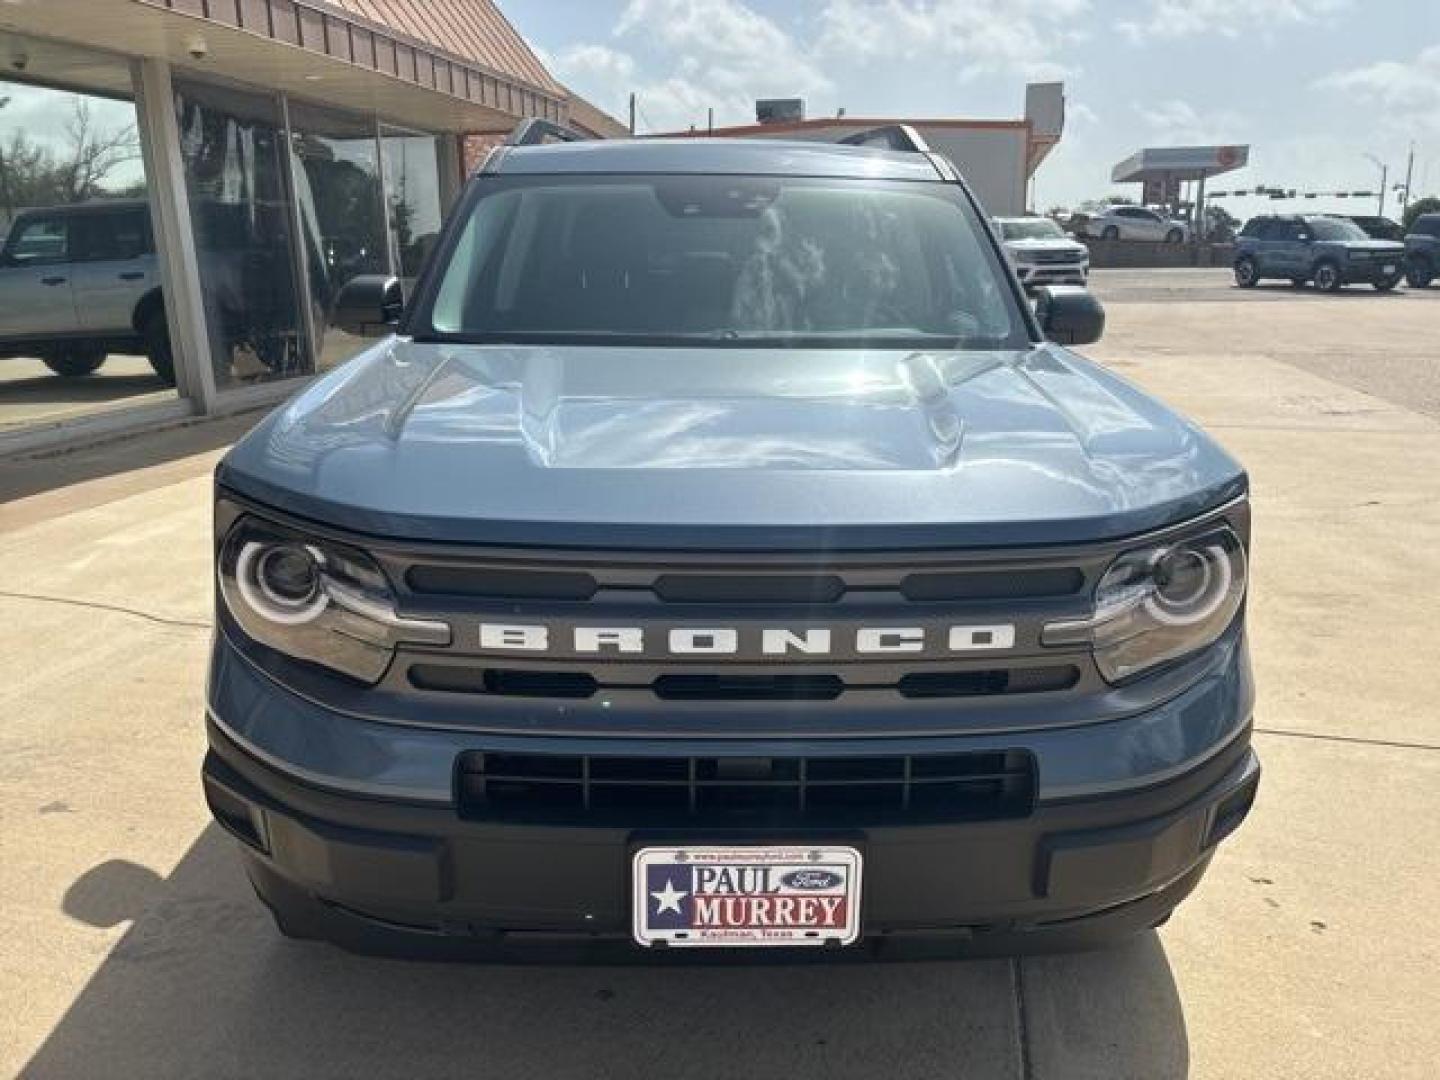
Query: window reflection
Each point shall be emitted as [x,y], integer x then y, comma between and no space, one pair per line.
[82,318]
[342,214]
[232,147]
[413,198]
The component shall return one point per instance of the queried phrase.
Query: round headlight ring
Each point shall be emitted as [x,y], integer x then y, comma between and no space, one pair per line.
[1216,577]
[258,575]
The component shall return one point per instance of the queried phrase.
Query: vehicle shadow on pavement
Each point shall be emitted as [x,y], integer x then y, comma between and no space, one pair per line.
[1308,292]
[201,986]
[92,388]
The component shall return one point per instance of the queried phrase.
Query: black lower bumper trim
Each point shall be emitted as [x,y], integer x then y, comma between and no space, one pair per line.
[354,870]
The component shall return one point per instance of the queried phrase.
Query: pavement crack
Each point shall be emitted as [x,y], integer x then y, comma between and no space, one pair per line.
[1022,1019]
[96,605]
[1398,744]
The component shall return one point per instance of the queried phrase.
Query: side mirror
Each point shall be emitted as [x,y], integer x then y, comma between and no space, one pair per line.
[369,305]
[1069,315]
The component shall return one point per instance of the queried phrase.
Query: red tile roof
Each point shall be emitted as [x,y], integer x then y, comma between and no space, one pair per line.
[474,30]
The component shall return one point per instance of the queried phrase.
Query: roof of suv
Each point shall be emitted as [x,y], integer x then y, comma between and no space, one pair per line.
[93,206]
[723,157]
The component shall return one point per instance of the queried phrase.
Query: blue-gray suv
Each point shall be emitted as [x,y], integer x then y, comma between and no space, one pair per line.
[717,551]
[1332,252]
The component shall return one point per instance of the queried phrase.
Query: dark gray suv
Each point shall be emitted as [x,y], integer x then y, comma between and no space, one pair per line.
[719,551]
[1422,251]
[1330,251]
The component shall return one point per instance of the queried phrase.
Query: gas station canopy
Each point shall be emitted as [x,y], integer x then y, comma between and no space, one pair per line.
[1162,169]
[1167,164]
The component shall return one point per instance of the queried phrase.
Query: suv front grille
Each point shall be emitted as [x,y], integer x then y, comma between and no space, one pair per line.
[741,585]
[740,686]
[799,630]
[745,791]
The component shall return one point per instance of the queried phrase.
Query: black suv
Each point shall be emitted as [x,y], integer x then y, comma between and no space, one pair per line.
[1422,251]
[1330,251]
[1377,227]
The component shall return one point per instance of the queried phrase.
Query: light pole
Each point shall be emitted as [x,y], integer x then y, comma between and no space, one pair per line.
[1409,175]
[1384,176]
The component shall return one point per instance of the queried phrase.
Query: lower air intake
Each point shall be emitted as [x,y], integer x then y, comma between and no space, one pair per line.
[749,791]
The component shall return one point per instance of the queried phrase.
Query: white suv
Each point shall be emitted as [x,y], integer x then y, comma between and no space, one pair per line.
[1041,252]
[80,282]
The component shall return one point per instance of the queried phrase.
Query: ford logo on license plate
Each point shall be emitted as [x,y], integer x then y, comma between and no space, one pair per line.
[811,879]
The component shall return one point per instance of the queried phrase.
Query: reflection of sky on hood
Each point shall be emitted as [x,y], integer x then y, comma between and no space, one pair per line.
[686,436]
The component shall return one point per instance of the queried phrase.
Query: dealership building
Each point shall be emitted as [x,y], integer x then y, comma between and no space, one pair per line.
[998,158]
[208,173]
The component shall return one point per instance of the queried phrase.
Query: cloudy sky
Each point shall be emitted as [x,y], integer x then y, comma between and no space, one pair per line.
[1313,85]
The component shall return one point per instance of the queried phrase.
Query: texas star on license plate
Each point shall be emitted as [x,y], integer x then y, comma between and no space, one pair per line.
[746,896]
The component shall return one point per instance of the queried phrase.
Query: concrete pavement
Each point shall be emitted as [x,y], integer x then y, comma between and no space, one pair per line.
[132,947]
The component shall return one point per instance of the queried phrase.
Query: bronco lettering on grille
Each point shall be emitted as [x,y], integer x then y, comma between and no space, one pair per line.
[729,640]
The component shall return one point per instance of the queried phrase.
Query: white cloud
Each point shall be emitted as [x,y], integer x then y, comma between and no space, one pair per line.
[1170,19]
[683,57]
[1406,92]
[697,55]
[1175,123]
[984,36]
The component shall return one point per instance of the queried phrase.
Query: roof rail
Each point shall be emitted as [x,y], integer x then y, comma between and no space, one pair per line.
[891,137]
[535,132]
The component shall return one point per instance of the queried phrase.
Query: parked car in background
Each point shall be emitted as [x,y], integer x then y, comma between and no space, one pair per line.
[1330,251]
[80,282]
[1422,251]
[1041,252]
[1378,228]
[1132,223]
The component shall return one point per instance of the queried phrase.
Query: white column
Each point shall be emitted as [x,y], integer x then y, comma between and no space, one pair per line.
[174,238]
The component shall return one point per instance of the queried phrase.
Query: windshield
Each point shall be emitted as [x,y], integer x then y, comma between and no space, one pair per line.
[1325,228]
[722,260]
[1031,229]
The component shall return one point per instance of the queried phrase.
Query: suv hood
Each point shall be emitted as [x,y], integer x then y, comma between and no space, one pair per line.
[729,447]
[1052,243]
[1383,247]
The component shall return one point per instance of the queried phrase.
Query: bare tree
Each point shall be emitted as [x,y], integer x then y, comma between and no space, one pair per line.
[35,174]
[93,153]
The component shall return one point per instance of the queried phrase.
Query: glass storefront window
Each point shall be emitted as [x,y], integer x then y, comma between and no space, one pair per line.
[413,198]
[82,317]
[233,148]
[342,213]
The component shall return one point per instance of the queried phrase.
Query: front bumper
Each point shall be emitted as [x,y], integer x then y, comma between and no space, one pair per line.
[1033,275]
[413,876]
[1366,271]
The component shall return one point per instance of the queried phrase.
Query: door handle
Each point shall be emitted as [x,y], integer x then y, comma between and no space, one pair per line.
[52,281]
[133,275]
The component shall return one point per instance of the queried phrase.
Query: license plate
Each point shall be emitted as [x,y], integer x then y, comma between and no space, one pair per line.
[746,896]
[1388,268]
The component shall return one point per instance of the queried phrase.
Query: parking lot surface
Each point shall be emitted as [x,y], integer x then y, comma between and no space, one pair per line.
[31,395]
[133,948]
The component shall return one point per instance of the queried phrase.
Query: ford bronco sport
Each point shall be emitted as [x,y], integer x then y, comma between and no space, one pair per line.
[715,553]
[1330,251]
[80,282]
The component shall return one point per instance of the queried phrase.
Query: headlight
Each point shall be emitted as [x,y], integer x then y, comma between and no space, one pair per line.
[315,600]
[1160,603]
